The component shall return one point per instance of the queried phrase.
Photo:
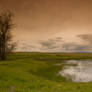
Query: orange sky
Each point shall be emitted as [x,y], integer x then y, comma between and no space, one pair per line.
[38,21]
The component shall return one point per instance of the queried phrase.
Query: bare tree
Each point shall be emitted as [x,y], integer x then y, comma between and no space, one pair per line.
[6,25]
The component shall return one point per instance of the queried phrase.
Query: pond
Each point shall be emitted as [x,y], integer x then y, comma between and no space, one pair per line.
[77,71]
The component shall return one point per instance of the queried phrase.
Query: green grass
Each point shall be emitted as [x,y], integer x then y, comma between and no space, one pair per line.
[37,72]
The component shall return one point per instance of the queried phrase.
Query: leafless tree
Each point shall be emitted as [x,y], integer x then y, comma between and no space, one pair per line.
[6,25]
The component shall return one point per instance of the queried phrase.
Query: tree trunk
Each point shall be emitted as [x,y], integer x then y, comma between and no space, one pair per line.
[3,47]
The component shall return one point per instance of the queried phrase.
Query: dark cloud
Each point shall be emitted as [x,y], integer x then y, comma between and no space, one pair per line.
[51,44]
[58,45]
[84,46]
[76,47]
[86,38]
[48,44]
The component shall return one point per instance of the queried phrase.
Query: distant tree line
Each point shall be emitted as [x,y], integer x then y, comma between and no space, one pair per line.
[6,44]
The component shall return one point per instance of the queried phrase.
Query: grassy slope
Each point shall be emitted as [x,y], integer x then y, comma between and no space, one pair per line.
[35,72]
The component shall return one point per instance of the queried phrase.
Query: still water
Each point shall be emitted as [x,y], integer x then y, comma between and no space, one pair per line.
[77,71]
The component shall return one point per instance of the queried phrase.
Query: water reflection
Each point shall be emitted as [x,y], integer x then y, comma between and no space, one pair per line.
[82,72]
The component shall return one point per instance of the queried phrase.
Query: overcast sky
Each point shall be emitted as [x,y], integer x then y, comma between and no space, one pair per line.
[51,25]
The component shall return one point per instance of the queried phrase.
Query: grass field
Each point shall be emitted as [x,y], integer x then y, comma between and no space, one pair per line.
[37,72]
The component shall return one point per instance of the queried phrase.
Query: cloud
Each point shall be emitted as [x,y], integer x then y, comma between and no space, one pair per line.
[27,47]
[86,38]
[58,45]
[84,46]
[76,47]
[51,44]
